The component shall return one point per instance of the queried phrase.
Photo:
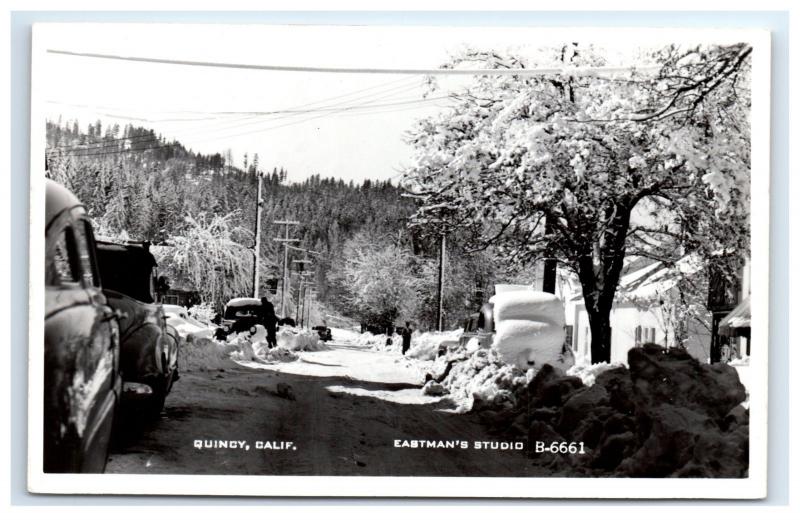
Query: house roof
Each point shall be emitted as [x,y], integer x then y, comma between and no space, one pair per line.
[738,318]
[652,279]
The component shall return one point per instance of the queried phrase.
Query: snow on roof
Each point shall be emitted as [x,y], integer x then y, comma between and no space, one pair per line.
[653,279]
[659,279]
[738,318]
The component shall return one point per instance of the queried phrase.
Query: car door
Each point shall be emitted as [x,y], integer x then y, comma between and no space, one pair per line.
[104,356]
[81,353]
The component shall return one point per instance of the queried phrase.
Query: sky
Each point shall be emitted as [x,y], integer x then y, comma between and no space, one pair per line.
[358,133]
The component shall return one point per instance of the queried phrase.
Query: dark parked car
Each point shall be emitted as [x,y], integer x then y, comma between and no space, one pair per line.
[148,345]
[81,343]
[241,314]
[324,333]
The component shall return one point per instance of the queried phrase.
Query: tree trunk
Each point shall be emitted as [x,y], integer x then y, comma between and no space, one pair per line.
[600,326]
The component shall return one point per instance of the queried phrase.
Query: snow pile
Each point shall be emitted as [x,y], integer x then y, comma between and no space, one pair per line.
[376,341]
[530,328]
[199,353]
[588,372]
[475,378]
[299,340]
[186,328]
[425,345]
[180,319]
[344,335]
[261,352]
[665,414]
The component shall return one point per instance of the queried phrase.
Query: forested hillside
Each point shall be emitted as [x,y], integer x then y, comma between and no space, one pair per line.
[137,185]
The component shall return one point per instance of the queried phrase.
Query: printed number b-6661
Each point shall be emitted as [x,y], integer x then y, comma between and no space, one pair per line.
[559,447]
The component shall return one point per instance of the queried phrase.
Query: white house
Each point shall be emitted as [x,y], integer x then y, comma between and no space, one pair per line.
[641,313]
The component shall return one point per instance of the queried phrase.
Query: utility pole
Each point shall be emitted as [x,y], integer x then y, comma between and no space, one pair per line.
[304,263]
[285,240]
[257,246]
[311,302]
[440,296]
[303,307]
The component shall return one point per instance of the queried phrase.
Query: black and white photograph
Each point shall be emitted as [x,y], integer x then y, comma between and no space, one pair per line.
[289,254]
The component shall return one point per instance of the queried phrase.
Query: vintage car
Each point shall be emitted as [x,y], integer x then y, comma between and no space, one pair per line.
[81,343]
[324,333]
[479,325]
[241,314]
[148,345]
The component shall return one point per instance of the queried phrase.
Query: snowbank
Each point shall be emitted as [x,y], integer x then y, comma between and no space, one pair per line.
[203,353]
[475,378]
[665,414]
[588,372]
[199,352]
[180,319]
[377,342]
[299,340]
[483,380]
[425,345]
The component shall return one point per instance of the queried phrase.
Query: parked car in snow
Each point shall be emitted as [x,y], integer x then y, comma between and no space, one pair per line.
[81,343]
[525,326]
[179,318]
[148,345]
[323,332]
[241,314]
[479,325]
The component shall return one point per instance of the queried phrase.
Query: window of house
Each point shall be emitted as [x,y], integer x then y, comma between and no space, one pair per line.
[568,335]
[586,340]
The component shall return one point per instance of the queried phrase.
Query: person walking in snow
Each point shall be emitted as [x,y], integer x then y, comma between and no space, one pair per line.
[268,318]
[407,337]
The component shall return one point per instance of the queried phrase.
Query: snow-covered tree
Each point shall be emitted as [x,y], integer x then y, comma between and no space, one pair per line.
[379,281]
[210,256]
[587,166]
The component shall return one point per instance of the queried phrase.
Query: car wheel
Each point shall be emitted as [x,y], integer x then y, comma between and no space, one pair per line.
[153,410]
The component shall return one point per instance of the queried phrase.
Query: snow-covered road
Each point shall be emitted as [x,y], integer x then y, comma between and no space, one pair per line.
[357,362]
[347,408]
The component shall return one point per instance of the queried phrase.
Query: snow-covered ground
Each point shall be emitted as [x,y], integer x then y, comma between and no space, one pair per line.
[359,365]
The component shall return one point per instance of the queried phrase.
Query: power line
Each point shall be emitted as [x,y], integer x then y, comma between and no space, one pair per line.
[283,113]
[331,113]
[278,115]
[100,148]
[303,105]
[356,70]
